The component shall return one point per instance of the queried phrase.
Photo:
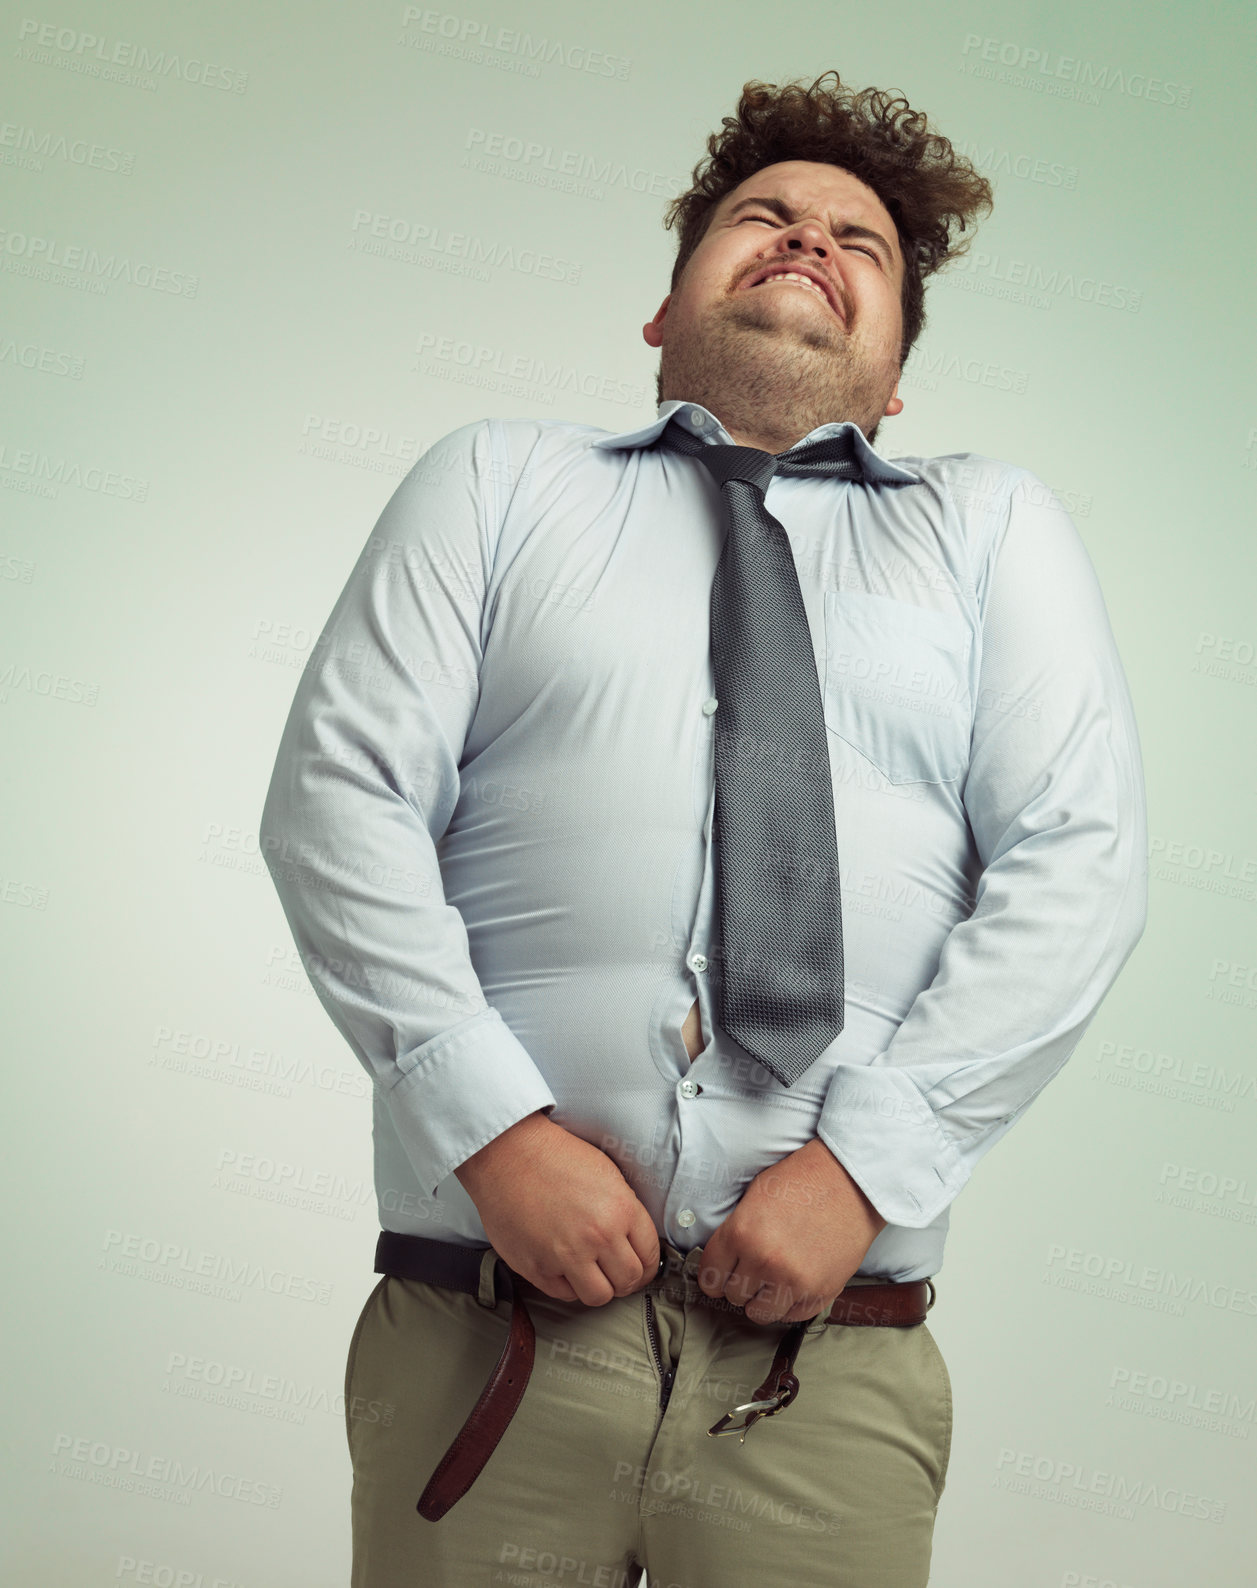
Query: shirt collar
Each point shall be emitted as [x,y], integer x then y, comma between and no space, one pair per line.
[700,421]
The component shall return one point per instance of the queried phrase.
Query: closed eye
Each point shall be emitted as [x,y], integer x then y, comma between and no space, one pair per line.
[858,248]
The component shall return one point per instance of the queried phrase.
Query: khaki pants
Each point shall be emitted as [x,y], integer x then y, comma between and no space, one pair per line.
[592,1484]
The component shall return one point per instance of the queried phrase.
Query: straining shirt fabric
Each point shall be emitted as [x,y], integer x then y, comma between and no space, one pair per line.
[489,821]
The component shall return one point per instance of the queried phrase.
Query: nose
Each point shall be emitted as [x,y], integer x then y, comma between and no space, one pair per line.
[808,237]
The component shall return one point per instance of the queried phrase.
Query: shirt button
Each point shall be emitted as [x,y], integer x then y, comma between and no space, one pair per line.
[709,706]
[685,1218]
[698,417]
[690,1088]
[698,962]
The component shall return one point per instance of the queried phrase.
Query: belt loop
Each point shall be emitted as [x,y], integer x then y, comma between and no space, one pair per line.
[487,1295]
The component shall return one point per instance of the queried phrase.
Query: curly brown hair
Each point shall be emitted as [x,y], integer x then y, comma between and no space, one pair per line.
[926,187]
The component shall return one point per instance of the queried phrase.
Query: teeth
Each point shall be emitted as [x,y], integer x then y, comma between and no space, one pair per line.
[792,275]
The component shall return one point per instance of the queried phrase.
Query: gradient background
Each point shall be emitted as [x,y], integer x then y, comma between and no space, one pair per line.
[197,440]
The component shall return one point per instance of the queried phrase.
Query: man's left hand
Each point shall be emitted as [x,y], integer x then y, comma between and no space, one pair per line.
[797,1235]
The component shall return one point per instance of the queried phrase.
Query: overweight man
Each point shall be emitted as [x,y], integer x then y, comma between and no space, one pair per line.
[710,837]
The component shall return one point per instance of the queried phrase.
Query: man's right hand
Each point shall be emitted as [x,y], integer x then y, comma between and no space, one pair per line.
[557,1210]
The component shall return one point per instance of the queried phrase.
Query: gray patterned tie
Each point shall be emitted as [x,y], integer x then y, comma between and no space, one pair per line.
[779,972]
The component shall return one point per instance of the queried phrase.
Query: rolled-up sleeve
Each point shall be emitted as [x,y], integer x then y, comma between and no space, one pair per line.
[365,782]
[1054,796]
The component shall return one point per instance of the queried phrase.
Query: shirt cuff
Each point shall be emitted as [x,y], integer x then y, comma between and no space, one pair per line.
[888,1139]
[460,1090]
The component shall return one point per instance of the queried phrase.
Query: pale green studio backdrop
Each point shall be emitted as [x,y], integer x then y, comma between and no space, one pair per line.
[254,260]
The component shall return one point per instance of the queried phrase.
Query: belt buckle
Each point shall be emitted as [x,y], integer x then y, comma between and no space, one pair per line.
[753,1410]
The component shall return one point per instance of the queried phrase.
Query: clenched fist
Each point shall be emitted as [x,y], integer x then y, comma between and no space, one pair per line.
[558,1211]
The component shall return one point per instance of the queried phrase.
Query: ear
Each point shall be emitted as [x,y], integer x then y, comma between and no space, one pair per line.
[652,331]
[894,403]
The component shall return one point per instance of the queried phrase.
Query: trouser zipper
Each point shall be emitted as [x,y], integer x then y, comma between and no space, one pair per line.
[665,1374]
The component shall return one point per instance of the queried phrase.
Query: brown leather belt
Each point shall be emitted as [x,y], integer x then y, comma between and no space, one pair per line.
[884,1303]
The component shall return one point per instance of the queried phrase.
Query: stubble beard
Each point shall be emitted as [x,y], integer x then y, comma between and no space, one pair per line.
[761,375]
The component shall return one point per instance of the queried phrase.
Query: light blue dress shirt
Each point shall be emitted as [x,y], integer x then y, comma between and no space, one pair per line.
[489,822]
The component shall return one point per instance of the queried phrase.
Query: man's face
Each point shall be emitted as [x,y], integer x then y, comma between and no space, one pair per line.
[772,354]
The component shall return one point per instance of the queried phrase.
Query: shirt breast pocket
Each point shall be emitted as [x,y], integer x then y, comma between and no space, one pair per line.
[896,685]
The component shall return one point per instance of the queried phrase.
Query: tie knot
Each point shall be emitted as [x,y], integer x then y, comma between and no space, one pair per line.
[726,463]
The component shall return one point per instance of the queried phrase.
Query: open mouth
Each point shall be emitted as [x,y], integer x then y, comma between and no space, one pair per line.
[797,278]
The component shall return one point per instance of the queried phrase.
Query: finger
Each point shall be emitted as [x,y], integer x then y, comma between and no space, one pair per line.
[761,1309]
[744,1284]
[780,1304]
[644,1239]
[715,1267]
[622,1266]
[769,1305]
[552,1285]
[809,1309]
[591,1285]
